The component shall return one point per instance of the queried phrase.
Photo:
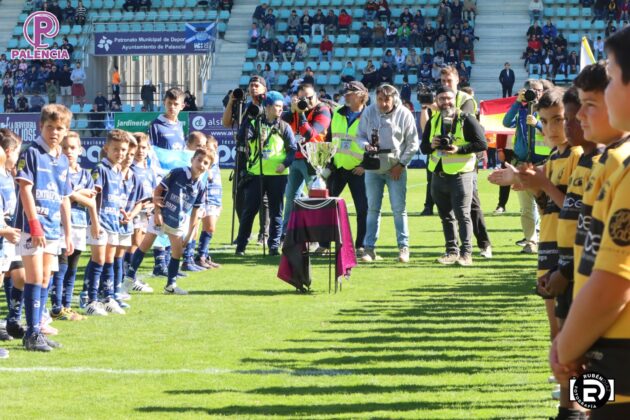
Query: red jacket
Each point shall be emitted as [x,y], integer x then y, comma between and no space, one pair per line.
[326,46]
[345,19]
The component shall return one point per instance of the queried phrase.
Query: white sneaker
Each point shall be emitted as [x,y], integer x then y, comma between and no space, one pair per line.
[112,306]
[174,290]
[95,309]
[486,252]
[403,255]
[134,285]
[122,296]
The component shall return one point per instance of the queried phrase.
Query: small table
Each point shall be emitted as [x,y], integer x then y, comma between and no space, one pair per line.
[316,220]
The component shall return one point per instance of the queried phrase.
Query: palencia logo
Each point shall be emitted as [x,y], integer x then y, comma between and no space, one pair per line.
[45,26]
[591,390]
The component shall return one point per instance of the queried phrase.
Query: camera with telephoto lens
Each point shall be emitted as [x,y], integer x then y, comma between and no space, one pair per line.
[530,96]
[446,138]
[238,94]
[302,104]
[425,94]
[371,160]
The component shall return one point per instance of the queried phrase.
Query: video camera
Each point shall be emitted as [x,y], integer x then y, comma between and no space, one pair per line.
[425,94]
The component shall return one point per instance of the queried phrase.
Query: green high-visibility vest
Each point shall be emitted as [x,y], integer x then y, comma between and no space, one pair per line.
[349,154]
[451,163]
[273,152]
[540,147]
[462,97]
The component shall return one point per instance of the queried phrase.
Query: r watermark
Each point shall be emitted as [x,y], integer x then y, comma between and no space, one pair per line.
[45,26]
[591,390]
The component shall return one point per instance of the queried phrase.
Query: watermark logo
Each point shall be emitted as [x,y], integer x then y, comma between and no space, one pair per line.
[44,26]
[591,390]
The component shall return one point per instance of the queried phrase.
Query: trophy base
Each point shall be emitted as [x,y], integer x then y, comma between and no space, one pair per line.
[318,193]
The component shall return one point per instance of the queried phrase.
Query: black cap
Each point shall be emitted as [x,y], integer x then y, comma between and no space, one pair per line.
[444,89]
[257,79]
[354,86]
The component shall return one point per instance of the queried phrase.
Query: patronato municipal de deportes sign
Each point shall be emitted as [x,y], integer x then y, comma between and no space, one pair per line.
[44,26]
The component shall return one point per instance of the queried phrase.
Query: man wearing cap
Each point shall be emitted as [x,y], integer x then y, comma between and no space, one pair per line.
[390,123]
[346,165]
[452,163]
[272,150]
[256,89]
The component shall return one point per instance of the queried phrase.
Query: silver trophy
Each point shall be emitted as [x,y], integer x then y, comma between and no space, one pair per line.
[318,155]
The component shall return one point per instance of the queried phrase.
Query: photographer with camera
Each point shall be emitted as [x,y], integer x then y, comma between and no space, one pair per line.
[238,112]
[450,139]
[272,149]
[388,133]
[310,119]
[529,147]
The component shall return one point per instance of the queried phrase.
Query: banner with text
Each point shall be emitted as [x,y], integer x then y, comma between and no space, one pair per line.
[209,123]
[140,121]
[192,38]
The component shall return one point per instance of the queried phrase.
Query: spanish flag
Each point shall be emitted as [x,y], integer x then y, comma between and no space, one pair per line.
[491,115]
[586,55]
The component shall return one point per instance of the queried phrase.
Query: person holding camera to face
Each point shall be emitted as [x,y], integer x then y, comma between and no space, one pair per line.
[388,133]
[272,148]
[310,119]
[451,138]
[241,113]
[530,147]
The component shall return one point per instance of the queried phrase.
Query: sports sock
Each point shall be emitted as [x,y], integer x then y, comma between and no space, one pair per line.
[118,273]
[173,268]
[32,293]
[15,308]
[136,260]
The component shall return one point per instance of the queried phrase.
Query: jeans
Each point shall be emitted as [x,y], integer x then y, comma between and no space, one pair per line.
[273,186]
[374,187]
[298,175]
[453,196]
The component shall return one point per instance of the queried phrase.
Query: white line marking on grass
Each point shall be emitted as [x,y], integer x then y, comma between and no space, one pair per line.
[207,371]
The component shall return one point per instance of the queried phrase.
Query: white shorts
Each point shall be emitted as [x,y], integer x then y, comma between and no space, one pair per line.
[212,210]
[141,221]
[79,237]
[124,239]
[104,238]
[26,249]
[65,90]
[158,230]
[8,249]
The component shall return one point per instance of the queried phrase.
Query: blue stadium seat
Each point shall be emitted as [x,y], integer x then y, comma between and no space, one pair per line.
[311,4]
[285,66]
[313,52]
[365,52]
[152,15]
[281,38]
[222,27]
[317,39]
[12,43]
[586,12]
[126,108]
[250,53]
[136,26]
[299,3]
[342,39]
[117,16]
[574,12]
[337,65]
[312,65]
[284,14]
[141,16]
[413,79]
[561,12]
[574,25]
[324,3]
[224,15]
[549,11]
[168,4]
[398,79]
[599,25]
[243,81]
[562,25]
[191,3]
[573,38]
[321,80]
[339,52]
[75,108]
[100,27]
[108,4]
[17,31]
[298,66]
[148,26]
[160,27]
[355,26]
[274,66]
[352,52]
[586,25]
[76,30]
[334,80]
[180,3]
[377,52]
[128,16]
[283,79]
[173,27]
[176,15]
[354,39]
[124,27]
[324,66]
[22,17]
[163,15]
[64,30]
[282,27]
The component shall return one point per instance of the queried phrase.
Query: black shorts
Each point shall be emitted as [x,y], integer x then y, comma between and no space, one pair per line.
[563,302]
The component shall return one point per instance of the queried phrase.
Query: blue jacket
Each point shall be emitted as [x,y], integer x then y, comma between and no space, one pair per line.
[516,117]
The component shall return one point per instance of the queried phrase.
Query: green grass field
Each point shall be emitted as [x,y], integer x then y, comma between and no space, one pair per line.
[415,341]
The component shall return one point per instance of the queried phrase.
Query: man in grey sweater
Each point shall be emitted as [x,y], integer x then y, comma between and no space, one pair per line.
[395,127]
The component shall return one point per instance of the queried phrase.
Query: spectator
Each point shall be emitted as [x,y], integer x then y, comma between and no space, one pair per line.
[254,35]
[598,48]
[418,18]
[293,23]
[4,63]
[560,41]
[319,23]
[264,49]
[22,103]
[371,8]
[259,13]
[365,35]
[425,74]
[269,75]
[226,5]
[115,81]
[115,101]
[37,102]
[534,29]
[385,74]
[9,103]
[452,58]
[467,50]
[507,79]
[403,35]
[65,85]
[441,45]
[288,50]
[464,73]
[332,22]
[258,71]
[443,13]
[413,61]
[100,102]
[146,94]
[534,44]
[406,17]
[146,5]
[67,46]
[68,14]
[379,34]
[469,30]
[309,77]
[301,50]
[535,10]
[470,9]
[56,10]
[133,4]
[415,35]
[610,29]
[573,63]
[277,50]
[325,49]
[534,63]
[305,23]
[268,32]
[383,11]
[31,80]
[370,75]
[388,58]
[427,57]
[400,61]
[348,73]
[392,34]
[624,11]
[51,92]
[547,60]
[78,79]
[405,90]
[269,19]
[96,121]
[549,30]
[599,10]
[324,95]
[560,64]
[453,43]
[190,101]
[344,22]
[457,8]
[612,10]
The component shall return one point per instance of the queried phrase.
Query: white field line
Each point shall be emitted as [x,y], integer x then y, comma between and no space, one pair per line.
[207,371]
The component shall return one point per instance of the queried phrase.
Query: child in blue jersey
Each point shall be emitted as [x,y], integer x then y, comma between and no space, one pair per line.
[196,140]
[134,195]
[82,203]
[177,200]
[43,207]
[108,182]
[166,131]
[214,198]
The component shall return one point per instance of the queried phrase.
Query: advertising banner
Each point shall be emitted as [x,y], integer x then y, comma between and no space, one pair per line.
[193,38]
[140,121]
[209,123]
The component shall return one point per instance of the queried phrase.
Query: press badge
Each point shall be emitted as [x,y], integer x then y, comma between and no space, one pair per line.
[266,154]
[345,144]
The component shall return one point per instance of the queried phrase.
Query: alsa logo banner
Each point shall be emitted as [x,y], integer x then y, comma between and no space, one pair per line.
[38,28]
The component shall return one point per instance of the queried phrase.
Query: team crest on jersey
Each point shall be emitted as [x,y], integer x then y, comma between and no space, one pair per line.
[619,227]
[21,164]
[94,176]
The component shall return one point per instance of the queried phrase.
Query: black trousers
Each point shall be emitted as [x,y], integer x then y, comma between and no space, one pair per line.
[263,215]
[507,90]
[428,198]
[336,183]
[504,192]
[478,221]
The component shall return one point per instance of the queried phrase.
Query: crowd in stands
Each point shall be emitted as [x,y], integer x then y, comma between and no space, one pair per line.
[412,43]
[67,15]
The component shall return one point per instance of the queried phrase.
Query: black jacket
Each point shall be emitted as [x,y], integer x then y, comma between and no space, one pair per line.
[506,77]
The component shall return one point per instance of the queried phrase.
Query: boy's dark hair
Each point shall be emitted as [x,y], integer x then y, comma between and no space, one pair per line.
[592,78]
[55,112]
[618,45]
[8,139]
[571,97]
[174,94]
[305,86]
[117,135]
[195,135]
[551,98]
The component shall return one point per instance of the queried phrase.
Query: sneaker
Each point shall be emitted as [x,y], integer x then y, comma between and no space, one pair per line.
[73,315]
[36,342]
[360,252]
[4,335]
[448,259]
[465,260]
[15,330]
[174,290]
[67,314]
[52,344]
[530,248]
[83,300]
[428,211]
[499,210]
[321,251]
[160,271]
[240,253]
[122,304]
[403,255]
[4,353]
[110,305]
[95,309]
[522,242]
[274,252]
[122,296]
[181,274]
[132,285]
[203,262]
[189,265]
[486,252]
[47,329]
[212,263]
[370,255]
